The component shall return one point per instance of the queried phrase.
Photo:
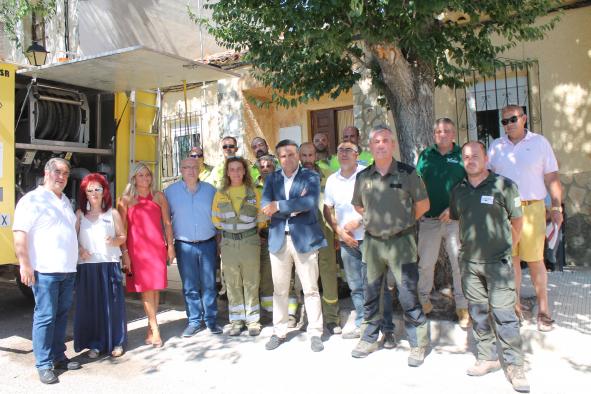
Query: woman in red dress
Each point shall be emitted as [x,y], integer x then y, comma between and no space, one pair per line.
[145,214]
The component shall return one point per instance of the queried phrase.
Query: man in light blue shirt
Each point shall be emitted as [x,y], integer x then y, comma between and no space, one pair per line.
[195,245]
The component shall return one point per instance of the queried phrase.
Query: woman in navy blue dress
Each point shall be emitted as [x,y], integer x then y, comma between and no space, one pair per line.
[99,324]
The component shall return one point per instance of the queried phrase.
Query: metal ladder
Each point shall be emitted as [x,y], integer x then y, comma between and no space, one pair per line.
[153,132]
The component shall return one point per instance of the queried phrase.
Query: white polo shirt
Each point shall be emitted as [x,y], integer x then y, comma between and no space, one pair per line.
[525,163]
[50,225]
[338,193]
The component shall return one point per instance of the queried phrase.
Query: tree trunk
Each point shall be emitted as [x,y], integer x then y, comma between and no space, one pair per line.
[409,90]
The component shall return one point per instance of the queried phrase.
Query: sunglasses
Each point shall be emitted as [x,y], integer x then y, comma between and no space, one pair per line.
[512,119]
[97,189]
[228,146]
[196,155]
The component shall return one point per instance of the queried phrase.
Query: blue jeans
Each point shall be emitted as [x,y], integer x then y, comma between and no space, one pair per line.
[356,273]
[197,264]
[53,297]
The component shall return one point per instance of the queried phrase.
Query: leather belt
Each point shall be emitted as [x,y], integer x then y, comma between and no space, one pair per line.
[239,236]
[528,202]
[406,231]
[194,242]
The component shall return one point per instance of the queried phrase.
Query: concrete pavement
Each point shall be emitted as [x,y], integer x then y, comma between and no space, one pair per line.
[556,362]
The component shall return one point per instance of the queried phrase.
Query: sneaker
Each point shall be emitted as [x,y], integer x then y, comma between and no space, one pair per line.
[517,378]
[334,328]
[388,340]
[292,322]
[191,330]
[117,351]
[545,323]
[354,334]
[215,329]
[274,342]
[93,353]
[427,308]
[416,357]
[66,364]
[463,317]
[254,330]
[364,348]
[235,330]
[482,367]
[316,344]
[47,376]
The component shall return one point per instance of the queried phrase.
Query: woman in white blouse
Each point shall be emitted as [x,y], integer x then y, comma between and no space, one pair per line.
[100,324]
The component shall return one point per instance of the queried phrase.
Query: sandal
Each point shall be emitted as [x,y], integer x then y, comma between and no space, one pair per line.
[545,322]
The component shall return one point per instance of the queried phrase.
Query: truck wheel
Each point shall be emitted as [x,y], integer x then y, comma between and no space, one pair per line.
[26,290]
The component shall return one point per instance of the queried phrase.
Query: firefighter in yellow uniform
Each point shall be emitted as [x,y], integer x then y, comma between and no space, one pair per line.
[236,213]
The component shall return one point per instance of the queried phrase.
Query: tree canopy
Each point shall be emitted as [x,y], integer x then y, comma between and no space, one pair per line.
[303,49]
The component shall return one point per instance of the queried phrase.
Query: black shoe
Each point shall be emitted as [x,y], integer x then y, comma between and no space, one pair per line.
[316,344]
[66,364]
[334,329]
[389,341]
[215,329]
[274,342]
[191,330]
[47,376]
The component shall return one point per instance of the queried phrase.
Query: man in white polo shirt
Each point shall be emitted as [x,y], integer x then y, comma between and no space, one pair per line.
[46,246]
[527,159]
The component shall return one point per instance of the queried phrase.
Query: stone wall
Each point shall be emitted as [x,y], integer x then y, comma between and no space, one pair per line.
[577,201]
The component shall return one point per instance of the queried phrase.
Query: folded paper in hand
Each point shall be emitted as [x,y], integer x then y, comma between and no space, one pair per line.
[552,235]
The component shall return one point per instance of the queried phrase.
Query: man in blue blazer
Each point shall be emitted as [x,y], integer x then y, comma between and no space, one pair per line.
[290,199]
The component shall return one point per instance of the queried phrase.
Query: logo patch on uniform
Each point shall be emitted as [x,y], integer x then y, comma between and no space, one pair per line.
[252,201]
[517,202]
[452,160]
[487,200]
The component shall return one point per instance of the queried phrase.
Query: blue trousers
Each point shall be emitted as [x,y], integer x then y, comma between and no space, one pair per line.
[197,265]
[53,298]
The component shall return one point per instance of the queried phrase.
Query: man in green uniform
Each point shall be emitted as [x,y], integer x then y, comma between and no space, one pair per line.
[229,147]
[440,167]
[364,158]
[197,153]
[260,148]
[488,208]
[391,197]
[327,259]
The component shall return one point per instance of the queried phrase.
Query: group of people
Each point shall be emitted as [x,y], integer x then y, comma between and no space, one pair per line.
[285,211]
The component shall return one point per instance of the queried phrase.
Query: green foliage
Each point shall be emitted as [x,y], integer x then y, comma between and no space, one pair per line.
[12,13]
[303,49]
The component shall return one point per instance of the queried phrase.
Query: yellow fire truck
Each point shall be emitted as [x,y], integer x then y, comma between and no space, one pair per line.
[102,113]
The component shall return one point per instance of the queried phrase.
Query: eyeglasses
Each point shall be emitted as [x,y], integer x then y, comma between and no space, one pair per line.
[346,150]
[196,155]
[228,146]
[96,189]
[189,168]
[512,119]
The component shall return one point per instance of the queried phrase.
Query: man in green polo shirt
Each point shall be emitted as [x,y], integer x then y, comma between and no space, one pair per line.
[440,167]
[390,196]
[364,158]
[488,208]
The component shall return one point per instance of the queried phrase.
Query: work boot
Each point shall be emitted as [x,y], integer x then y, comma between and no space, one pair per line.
[254,329]
[334,329]
[545,322]
[364,348]
[416,357]
[427,308]
[463,317]
[388,340]
[235,330]
[482,367]
[354,334]
[292,322]
[517,378]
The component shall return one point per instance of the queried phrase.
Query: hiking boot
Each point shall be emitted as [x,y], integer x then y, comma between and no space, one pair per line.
[364,348]
[354,334]
[388,340]
[427,308]
[334,328]
[482,367]
[254,330]
[416,357]
[517,378]
[545,322]
[235,330]
[316,344]
[274,342]
[463,317]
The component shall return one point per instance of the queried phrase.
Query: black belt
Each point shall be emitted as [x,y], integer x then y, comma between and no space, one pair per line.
[406,231]
[239,236]
[194,242]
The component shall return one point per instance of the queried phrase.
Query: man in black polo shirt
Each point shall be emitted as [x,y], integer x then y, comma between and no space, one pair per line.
[489,210]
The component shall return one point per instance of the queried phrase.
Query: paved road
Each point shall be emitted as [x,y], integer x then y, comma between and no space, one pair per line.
[557,362]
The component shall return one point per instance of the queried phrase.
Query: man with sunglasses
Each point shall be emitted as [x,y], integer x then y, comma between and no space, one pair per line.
[528,159]
[229,148]
[205,169]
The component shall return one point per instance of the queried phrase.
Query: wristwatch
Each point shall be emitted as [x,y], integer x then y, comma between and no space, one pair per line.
[557,209]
